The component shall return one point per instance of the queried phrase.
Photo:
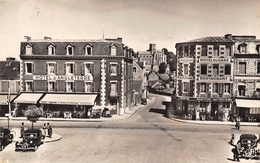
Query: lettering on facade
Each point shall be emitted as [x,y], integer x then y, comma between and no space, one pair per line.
[203,60]
[63,77]
[182,60]
[213,78]
[185,77]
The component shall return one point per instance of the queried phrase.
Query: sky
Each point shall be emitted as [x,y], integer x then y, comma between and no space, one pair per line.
[137,22]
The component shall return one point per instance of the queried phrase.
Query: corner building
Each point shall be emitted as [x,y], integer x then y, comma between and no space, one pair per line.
[205,77]
[75,75]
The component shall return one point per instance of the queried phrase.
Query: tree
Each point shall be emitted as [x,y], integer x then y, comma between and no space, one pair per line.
[33,113]
[162,68]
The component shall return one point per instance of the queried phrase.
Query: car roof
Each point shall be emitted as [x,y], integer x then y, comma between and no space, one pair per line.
[32,131]
[248,136]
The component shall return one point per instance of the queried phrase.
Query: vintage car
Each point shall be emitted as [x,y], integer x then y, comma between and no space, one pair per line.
[31,140]
[6,137]
[249,147]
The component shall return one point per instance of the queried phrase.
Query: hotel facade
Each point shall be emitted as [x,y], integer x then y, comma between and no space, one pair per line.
[75,76]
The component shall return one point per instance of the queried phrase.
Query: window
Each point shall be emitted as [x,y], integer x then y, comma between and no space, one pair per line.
[28,49]
[87,68]
[215,69]
[203,87]
[242,48]
[51,86]
[215,87]
[185,87]
[29,67]
[258,67]
[88,50]
[113,50]
[242,68]
[227,70]
[51,68]
[204,50]
[70,86]
[134,69]
[69,50]
[227,88]
[89,86]
[186,51]
[113,68]
[241,90]
[70,68]
[203,69]
[113,88]
[51,50]
[29,86]
[185,69]
[216,51]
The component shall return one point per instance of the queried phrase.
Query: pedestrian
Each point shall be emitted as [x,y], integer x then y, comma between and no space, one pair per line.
[44,129]
[232,139]
[236,151]
[22,130]
[49,128]
[238,123]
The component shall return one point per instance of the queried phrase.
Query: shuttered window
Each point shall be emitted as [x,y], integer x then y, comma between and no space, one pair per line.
[242,68]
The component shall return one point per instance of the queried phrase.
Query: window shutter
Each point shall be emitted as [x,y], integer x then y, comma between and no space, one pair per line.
[83,86]
[220,88]
[65,68]
[92,69]
[118,69]
[46,68]
[221,69]
[55,86]
[222,50]
[231,88]
[117,86]
[46,86]
[210,50]
[74,86]
[109,68]
[65,86]
[56,68]
[33,68]
[74,68]
[198,50]
[92,87]
[82,68]
[210,70]
[33,86]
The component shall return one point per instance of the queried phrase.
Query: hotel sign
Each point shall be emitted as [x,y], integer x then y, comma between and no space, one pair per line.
[185,77]
[182,60]
[63,77]
[208,78]
[214,60]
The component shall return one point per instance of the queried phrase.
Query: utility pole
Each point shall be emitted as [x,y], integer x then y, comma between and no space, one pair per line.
[9,104]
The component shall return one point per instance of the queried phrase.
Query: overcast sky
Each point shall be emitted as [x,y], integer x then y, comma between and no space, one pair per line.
[138,22]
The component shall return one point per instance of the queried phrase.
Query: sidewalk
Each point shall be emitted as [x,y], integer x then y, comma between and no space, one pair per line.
[215,122]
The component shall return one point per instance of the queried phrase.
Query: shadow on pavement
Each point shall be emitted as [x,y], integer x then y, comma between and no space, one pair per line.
[159,111]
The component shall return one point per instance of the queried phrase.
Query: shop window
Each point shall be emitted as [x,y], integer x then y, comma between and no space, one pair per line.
[51,50]
[241,90]
[51,86]
[113,50]
[203,69]
[185,69]
[29,67]
[70,86]
[227,70]
[28,49]
[242,68]
[29,86]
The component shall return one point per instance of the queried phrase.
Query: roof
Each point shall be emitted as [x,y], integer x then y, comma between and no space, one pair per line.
[164,76]
[144,53]
[10,71]
[140,64]
[209,39]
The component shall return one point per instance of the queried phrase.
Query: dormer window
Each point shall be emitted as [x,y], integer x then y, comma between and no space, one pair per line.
[28,49]
[69,50]
[88,50]
[51,50]
[258,48]
[113,50]
[242,48]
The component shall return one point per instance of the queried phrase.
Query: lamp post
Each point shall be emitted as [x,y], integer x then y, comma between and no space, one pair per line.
[9,105]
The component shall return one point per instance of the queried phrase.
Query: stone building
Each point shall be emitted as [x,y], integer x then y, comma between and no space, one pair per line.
[72,76]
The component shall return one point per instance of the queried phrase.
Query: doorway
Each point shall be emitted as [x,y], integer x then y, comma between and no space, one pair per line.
[214,110]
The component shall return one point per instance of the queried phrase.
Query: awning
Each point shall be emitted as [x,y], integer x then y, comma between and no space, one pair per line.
[30,98]
[69,99]
[248,103]
[3,99]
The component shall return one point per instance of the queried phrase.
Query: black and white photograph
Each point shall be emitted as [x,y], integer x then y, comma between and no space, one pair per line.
[129,81]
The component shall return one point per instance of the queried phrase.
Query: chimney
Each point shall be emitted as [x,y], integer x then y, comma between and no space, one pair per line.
[47,38]
[27,38]
[120,39]
[9,61]
[228,36]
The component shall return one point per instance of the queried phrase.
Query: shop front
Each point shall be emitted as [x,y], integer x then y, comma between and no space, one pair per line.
[4,107]
[248,110]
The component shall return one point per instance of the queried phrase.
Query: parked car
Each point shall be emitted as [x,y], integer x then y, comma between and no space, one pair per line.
[143,101]
[249,146]
[31,140]
[6,137]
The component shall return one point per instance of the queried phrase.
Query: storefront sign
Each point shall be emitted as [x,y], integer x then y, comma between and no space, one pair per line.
[214,60]
[182,60]
[203,99]
[64,103]
[213,78]
[62,77]
[184,98]
[185,77]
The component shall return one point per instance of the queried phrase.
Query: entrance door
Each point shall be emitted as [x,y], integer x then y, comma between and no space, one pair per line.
[214,109]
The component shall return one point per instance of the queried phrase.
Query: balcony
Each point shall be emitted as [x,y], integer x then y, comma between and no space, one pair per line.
[214,95]
[227,95]
[113,94]
[204,95]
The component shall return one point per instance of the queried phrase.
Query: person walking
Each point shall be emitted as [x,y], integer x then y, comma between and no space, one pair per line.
[44,129]
[236,151]
[49,128]
[22,130]
[238,123]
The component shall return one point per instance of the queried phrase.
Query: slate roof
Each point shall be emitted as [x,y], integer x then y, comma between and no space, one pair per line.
[140,64]
[9,72]
[209,40]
